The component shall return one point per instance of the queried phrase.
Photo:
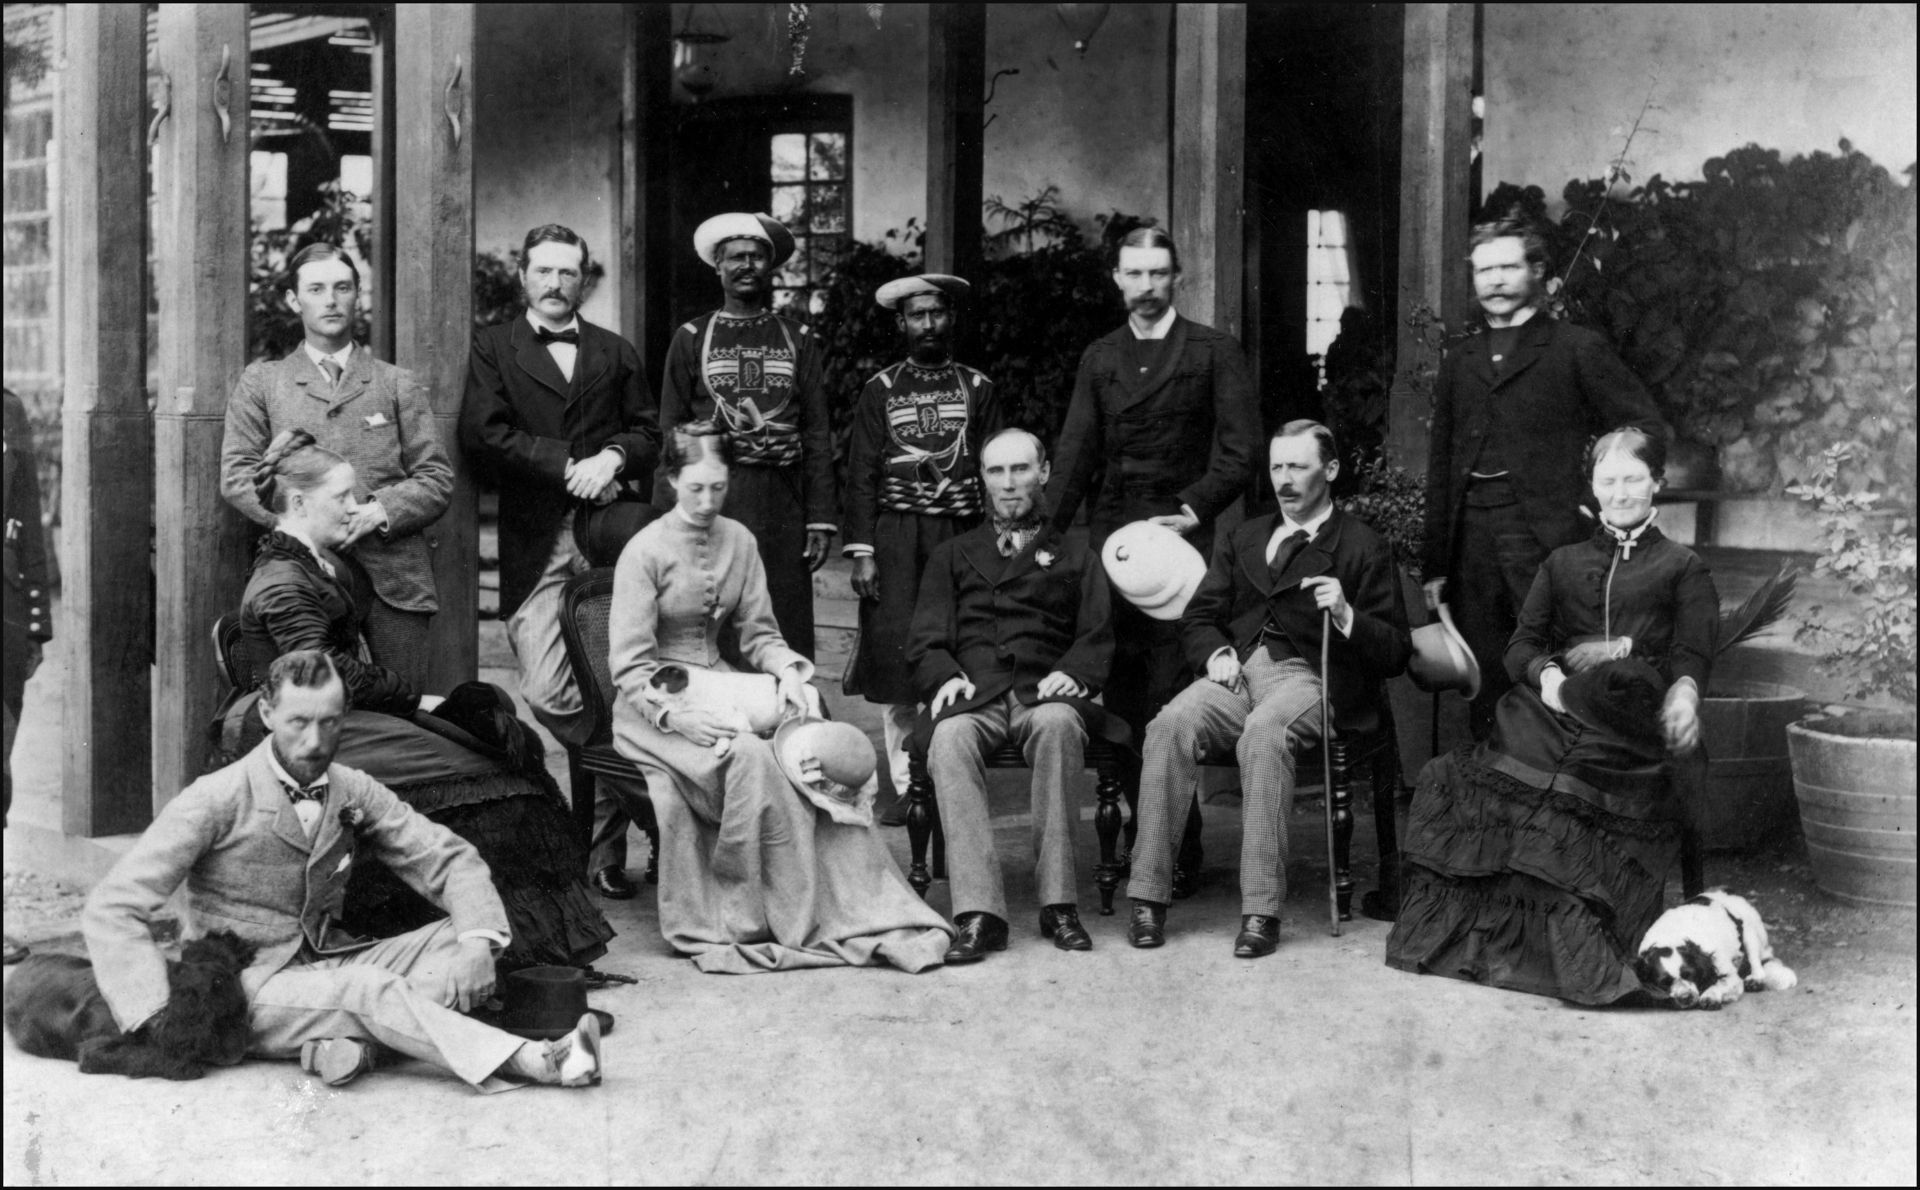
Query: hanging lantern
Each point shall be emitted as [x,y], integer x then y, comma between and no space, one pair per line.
[1081,21]
[690,66]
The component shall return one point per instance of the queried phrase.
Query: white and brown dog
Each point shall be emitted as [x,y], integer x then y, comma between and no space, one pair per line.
[1705,953]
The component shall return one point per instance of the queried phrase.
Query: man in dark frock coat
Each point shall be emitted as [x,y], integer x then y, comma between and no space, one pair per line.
[1514,408]
[1163,426]
[557,417]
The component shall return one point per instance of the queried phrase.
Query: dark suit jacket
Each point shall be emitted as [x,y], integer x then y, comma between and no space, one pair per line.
[1234,601]
[521,423]
[1008,622]
[1142,446]
[1563,387]
[29,612]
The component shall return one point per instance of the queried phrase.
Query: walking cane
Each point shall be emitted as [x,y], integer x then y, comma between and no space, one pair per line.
[1326,773]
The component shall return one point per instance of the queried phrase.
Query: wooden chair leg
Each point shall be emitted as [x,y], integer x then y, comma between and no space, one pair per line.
[1106,824]
[939,835]
[1342,796]
[919,823]
[1383,904]
[581,779]
[650,824]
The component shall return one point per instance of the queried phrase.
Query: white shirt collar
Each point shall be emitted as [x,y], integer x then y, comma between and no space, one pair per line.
[1288,526]
[1158,330]
[573,324]
[338,357]
[286,778]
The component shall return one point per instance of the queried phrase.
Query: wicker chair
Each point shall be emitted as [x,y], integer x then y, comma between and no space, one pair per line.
[585,603]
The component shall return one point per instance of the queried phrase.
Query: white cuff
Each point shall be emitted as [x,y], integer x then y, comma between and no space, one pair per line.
[497,939]
[829,530]
[856,551]
[1222,649]
[1346,628]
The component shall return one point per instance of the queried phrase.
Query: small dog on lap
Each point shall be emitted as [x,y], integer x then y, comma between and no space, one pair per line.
[54,1010]
[1705,953]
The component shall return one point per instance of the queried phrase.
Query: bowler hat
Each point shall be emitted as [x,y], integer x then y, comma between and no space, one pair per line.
[1622,697]
[832,764]
[740,225]
[1441,659]
[601,531]
[1153,568]
[543,1003]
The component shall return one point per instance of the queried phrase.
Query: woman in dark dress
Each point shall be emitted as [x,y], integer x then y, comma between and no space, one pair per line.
[473,768]
[1536,860]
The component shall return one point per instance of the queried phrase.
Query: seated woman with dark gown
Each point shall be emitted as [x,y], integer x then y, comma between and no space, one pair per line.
[1536,860]
[473,767]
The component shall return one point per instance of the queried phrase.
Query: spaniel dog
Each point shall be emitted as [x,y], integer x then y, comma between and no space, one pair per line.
[54,1010]
[1705,953]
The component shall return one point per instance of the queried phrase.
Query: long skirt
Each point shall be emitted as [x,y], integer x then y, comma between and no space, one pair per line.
[903,541]
[1537,860]
[517,821]
[753,877]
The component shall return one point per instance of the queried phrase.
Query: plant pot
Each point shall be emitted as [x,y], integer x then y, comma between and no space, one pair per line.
[1854,778]
[1749,790]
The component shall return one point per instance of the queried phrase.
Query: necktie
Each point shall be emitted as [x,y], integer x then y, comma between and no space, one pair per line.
[1285,554]
[312,793]
[570,335]
[333,370]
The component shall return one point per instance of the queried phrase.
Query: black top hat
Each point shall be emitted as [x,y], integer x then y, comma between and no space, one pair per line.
[1622,697]
[543,1003]
[603,530]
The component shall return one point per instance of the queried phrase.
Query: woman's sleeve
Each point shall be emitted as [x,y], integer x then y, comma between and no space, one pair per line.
[760,641]
[1696,623]
[295,615]
[1530,648]
[632,628]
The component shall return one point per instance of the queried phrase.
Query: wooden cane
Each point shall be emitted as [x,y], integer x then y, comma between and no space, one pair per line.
[1326,774]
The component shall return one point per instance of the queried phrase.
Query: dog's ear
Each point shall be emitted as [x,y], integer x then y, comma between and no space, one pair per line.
[1647,969]
[1697,966]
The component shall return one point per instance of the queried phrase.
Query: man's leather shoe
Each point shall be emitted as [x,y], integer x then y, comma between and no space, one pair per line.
[1149,928]
[1062,924]
[611,883]
[1259,936]
[979,933]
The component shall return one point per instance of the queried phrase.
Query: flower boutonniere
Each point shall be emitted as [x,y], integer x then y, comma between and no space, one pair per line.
[1045,558]
[351,817]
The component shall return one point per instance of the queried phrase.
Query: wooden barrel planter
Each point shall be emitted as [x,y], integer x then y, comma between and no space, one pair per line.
[1854,778]
[1749,793]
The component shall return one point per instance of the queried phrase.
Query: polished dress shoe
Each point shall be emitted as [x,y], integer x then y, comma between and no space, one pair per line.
[1259,936]
[1062,924]
[1149,928]
[611,883]
[979,933]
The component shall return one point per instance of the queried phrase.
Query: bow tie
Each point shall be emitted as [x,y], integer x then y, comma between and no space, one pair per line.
[570,335]
[312,793]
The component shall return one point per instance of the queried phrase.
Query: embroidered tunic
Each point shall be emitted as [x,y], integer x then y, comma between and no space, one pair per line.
[916,444]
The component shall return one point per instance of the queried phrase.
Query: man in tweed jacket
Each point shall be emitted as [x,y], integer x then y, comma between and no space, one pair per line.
[265,848]
[373,415]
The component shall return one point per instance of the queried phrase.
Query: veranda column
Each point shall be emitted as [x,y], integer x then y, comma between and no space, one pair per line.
[433,290]
[200,246]
[106,444]
[956,82]
[1209,157]
[646,134]
[1435,156]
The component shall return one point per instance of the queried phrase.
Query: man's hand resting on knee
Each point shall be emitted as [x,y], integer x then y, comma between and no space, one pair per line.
[470,976]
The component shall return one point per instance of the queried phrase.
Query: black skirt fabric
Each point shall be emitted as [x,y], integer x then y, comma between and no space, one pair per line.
[1537,860]
[903,543]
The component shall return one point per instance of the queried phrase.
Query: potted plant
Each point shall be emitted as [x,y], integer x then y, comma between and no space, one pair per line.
[1749,788]
[1853,773]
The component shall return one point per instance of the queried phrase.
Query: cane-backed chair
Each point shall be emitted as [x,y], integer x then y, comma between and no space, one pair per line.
[586,603]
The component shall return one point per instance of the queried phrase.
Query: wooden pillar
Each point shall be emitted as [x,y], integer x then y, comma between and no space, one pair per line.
[433,290]
[956,78]
[200,241]
[646,135]
[380,292]
[1208,185]
[106,448]
[1435,154]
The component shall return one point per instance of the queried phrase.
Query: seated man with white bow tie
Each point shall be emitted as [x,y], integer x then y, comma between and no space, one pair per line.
[265,847]
[1254,629]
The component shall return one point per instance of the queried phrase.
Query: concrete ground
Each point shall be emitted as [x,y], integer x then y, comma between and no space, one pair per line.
[1178,1065]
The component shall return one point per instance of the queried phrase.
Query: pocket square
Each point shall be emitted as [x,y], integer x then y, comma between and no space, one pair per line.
[376,420]
[345,861]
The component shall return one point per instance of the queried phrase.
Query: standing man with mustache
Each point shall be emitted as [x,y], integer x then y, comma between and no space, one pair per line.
[762,377]
[1163,426]
[558,416]
[912,483]
[371,414]
[1514,409]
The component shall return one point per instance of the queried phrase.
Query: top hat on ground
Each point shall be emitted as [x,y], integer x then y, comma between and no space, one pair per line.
[542,1003]
[1441,659]
[1153,568]
[832,764]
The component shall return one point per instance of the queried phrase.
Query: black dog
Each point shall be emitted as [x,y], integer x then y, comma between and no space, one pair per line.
[54,1010]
